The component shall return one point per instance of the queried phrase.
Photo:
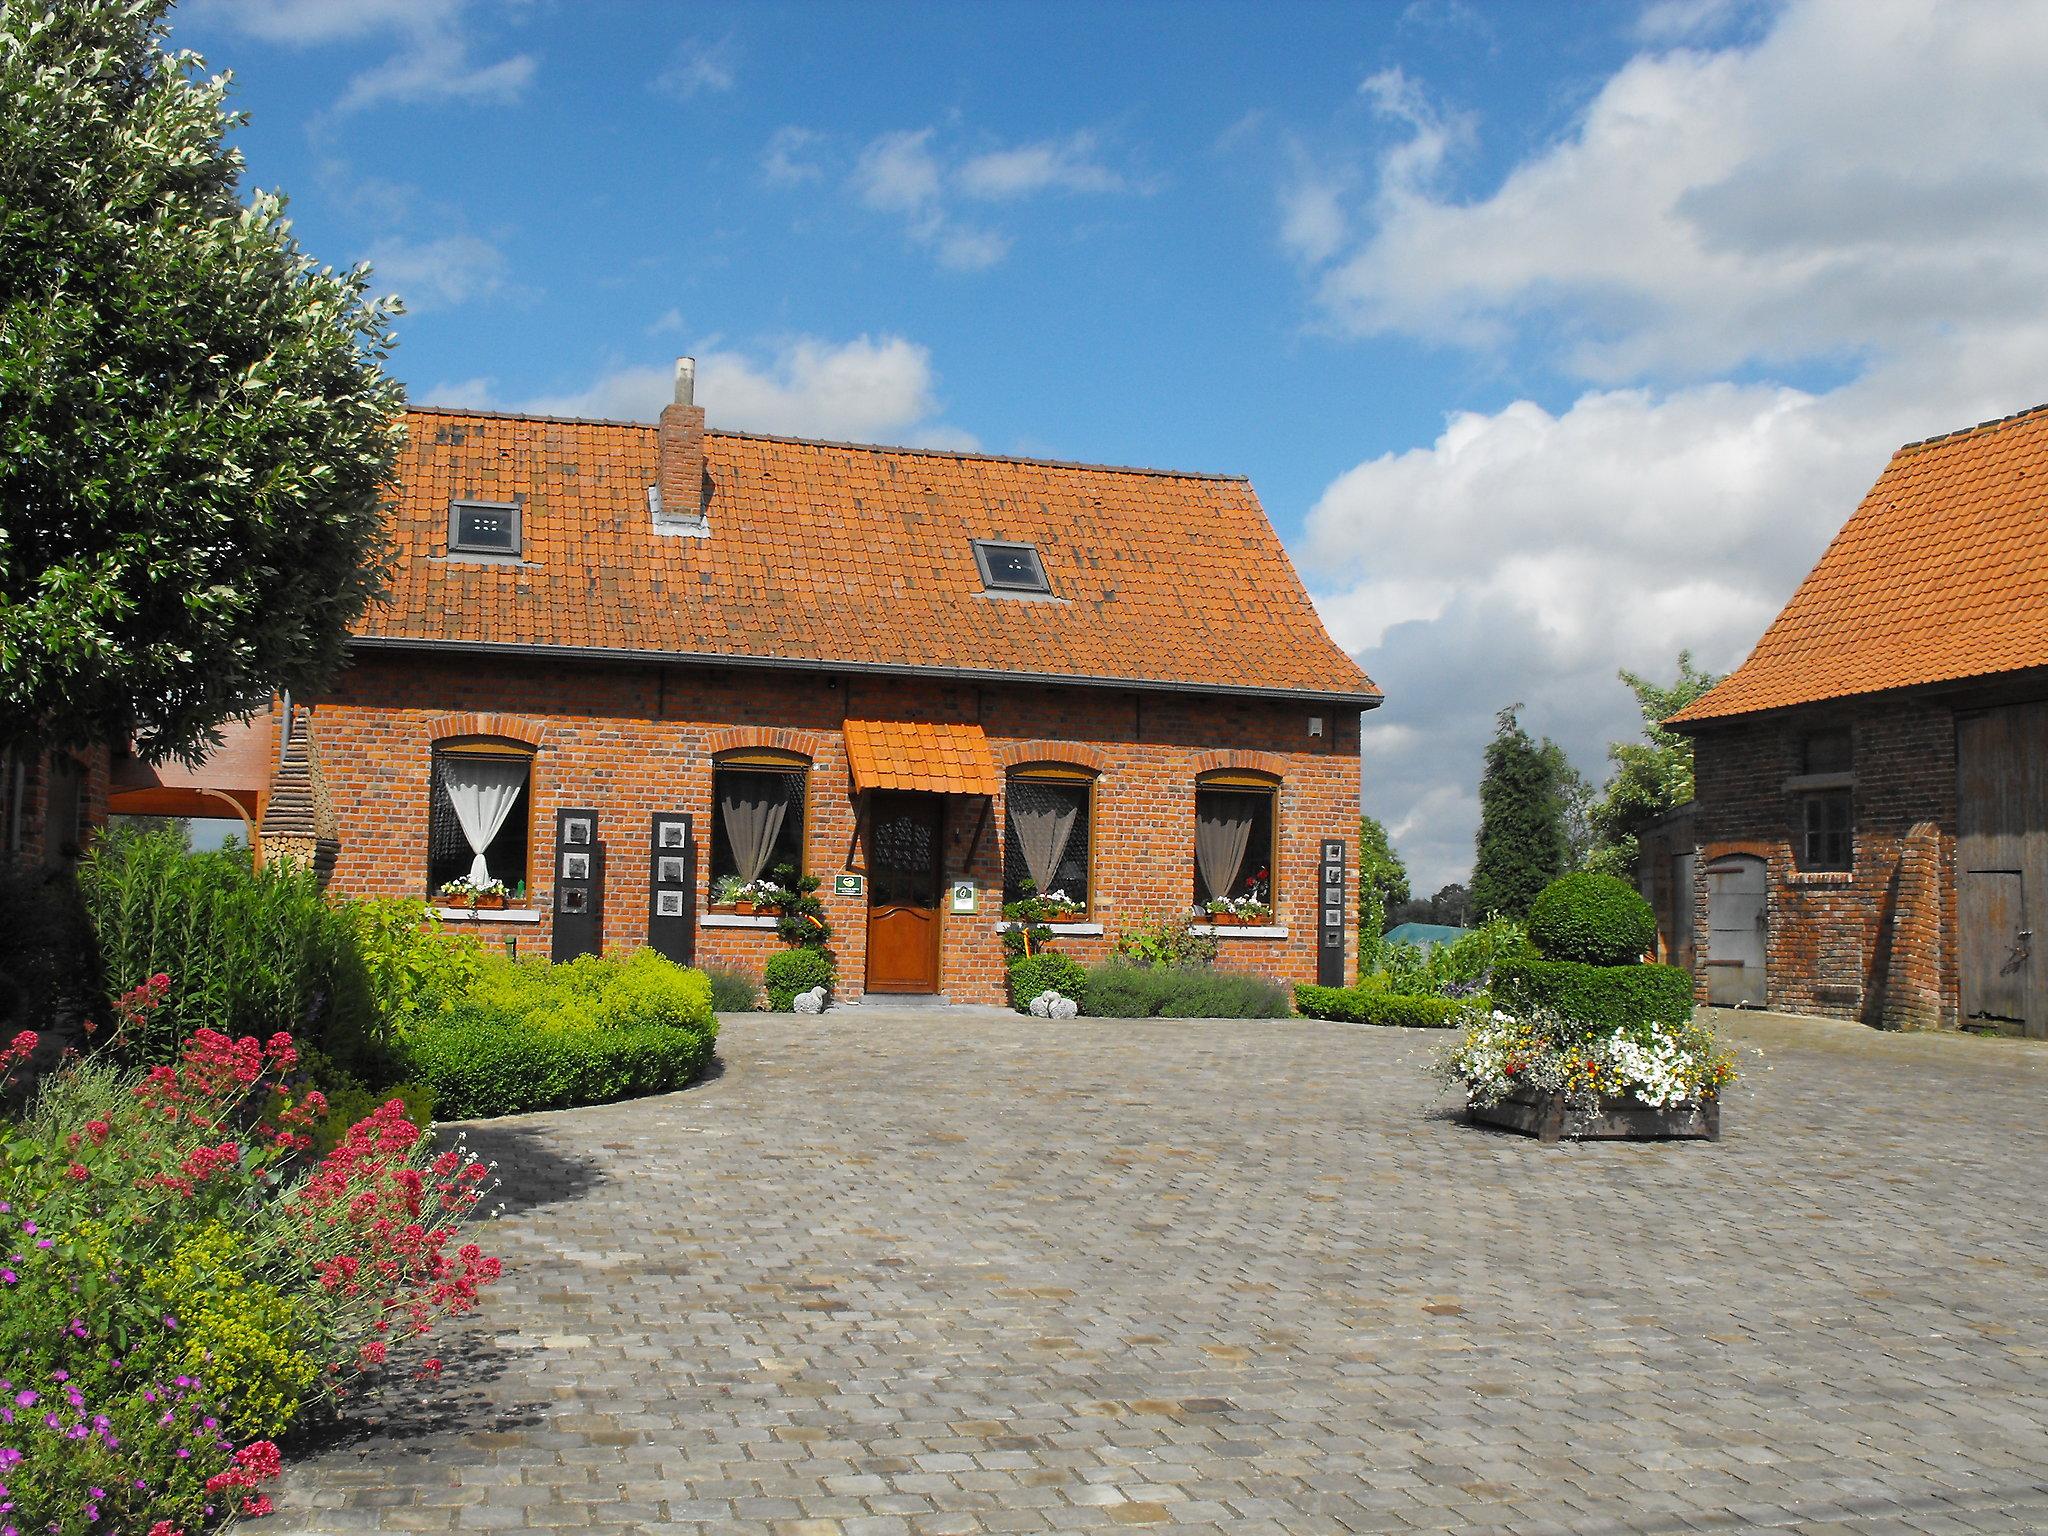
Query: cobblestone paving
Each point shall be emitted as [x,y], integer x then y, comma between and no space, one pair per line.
[933,1275]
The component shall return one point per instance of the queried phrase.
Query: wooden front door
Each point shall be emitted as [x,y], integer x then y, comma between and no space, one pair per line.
[903,892]
[2002,866]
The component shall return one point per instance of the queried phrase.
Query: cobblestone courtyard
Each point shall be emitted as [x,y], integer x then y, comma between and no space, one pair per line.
[924,1274]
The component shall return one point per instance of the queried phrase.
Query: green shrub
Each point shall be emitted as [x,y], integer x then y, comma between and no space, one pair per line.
[1167,938]
[347,1105]
[1368,1005]
[733,989]
[1046,971]
[1593,920]
[1599,997]
[1118,990]
[477,1067]
[415,968]
[249,952]
[530,1035]
[794,971]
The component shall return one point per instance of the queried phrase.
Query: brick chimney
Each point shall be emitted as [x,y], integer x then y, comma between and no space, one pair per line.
[679,491]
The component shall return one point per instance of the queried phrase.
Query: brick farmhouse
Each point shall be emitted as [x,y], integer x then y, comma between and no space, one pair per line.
[624,668]
[1871,806]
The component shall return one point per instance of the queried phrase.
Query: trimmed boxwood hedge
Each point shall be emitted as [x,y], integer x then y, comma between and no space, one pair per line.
[1598,996]
[1369,1005]
[1046,971]
[477,1066]
[1592,919]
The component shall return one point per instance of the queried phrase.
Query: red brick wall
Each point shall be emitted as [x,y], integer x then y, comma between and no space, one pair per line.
[629,740]
[28,839]
[1869,944]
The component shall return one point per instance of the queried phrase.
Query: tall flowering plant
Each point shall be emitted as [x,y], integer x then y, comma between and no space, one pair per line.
[178,1283]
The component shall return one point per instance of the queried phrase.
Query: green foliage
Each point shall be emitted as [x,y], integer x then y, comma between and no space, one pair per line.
[251,1343]
[198,429]
[530,1035]
[1046,971]
[1379,866]
[1032,913]
[1167,938]
[733,989]
[249,952]
[1371,1005]
[1118,990]
[415,968]
[1524,843]
[1457,969]
[799,914]
[476,1066]
[1600,998]
[1651,776]
[1593,919]
[795,971]
[350,1101]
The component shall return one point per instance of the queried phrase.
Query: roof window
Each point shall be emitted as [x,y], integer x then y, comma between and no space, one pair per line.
[1010,567]
[483,528]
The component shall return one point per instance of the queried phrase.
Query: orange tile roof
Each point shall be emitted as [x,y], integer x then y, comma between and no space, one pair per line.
[1941,575]
[908,754]
[824,553]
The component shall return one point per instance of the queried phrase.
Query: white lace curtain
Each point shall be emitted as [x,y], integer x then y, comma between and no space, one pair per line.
[1042,821]
[482,791]
[753,807]
[1223,830]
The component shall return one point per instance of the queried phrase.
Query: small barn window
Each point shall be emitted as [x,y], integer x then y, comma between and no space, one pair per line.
[1826,833]
[757,820]
[483,528]
[477,820]
[1234,843]
[1048,834]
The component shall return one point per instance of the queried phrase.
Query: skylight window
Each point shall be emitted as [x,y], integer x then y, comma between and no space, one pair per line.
[1010,567]
[483,528]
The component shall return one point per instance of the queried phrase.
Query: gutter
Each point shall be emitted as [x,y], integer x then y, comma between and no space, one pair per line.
[1360,701]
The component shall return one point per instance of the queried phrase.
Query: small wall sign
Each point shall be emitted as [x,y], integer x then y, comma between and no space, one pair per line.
[966,898]
[849,885]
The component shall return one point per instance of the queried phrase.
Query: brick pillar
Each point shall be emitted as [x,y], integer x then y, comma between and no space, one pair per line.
[1912,994]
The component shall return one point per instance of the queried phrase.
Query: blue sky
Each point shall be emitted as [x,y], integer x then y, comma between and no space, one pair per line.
[1554,337]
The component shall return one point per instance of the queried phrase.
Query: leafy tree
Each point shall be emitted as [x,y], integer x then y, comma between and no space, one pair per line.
[1651,776]
[1378,864]
[1451,906]
[1523,840]
[196,427]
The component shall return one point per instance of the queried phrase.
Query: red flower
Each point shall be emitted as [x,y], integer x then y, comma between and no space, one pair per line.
[257,1504]
[259,1458]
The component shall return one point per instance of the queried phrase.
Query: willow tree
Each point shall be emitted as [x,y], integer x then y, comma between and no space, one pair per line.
[195,427]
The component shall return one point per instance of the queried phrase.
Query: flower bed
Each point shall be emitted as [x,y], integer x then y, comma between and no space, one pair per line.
[1550,1077]
[178,1284]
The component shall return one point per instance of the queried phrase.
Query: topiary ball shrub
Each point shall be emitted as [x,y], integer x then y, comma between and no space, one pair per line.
[1046,971]
[795,971]
[1593,920]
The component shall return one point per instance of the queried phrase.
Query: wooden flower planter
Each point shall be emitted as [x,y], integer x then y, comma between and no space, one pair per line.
[487,903]
[1544,1116]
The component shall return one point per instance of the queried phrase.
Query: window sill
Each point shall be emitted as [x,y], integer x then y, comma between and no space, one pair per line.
[487,914]
[1077,930]
[734,920]
[1240,930]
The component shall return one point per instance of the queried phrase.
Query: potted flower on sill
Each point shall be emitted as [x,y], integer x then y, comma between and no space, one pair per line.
[725,893]
[1059,907]
[489,895]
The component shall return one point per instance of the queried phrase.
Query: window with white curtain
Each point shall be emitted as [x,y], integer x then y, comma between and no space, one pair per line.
[1048,834]
[1234,852]
[477,826]
[757,817]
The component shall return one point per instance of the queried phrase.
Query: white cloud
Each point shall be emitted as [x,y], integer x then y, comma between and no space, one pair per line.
[786,161]
[870,389]
[1313,224]
[1061,165]
[435,274]
[433,55]
[476,394]
[903,173]
[1857,187]
[698,67]
[670,323]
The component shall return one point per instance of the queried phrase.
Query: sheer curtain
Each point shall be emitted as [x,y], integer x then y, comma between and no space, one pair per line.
[482,790]
[1223,830]
[1043,824]
[753,807]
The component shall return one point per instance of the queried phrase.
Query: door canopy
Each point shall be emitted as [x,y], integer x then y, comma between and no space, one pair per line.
[918,755]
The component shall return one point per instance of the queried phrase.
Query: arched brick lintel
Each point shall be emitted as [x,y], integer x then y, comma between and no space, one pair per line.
[1242,762]
[757,738]
[1709,852]
[1014,754]
[534,733]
